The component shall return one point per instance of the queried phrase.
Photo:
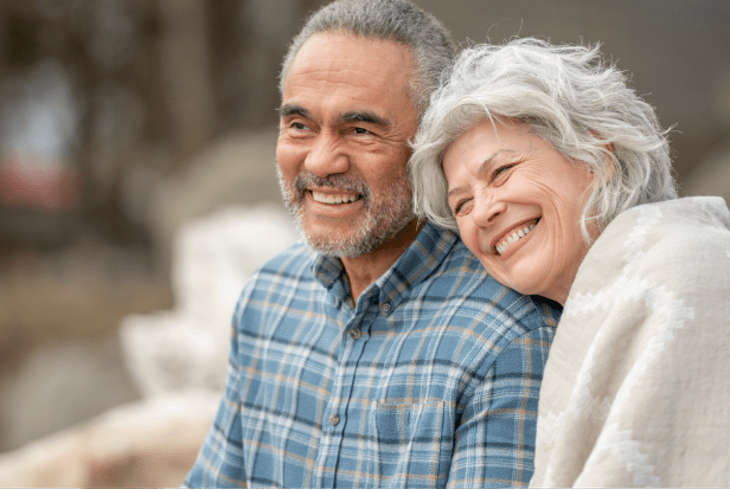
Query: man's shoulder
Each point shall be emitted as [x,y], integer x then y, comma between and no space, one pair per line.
[463,269]
[466,285]
[460,257]
[294,260]
[286,276]
[289,266]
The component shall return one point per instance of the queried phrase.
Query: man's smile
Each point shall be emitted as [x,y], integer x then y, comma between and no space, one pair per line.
[335,197]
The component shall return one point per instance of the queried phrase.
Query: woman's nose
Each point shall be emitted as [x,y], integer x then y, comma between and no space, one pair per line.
[487,210]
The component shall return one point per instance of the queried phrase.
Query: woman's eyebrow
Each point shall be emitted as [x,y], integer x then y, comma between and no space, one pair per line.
[483,167]
[453,191]
[490,159]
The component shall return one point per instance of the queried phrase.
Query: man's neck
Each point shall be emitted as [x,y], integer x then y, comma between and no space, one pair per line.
[364,270]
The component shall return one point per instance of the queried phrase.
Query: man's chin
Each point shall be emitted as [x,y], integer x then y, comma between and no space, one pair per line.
[366,240]
[339,247]
[354,238]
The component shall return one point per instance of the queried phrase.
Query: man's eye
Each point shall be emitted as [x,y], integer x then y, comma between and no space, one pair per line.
[360,131]
[297,125]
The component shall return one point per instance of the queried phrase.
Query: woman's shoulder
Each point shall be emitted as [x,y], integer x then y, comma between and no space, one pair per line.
[686,230]
[643,338]
[659,219]
[682,244]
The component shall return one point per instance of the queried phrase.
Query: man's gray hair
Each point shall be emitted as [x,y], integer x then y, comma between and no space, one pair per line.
[393,20]
[569,96]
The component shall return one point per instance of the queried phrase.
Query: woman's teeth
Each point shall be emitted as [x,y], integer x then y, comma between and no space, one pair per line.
[512,239]
[334,198]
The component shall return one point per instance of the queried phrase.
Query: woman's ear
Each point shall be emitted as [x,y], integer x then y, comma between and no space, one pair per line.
[610,161]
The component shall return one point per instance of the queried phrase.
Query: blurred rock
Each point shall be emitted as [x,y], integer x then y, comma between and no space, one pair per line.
[80,292]
[58,385]
[59,317]
[147,444]
[240,169]
[177,358]
[213,257]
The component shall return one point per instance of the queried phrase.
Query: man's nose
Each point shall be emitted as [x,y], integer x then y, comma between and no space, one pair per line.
[327,156]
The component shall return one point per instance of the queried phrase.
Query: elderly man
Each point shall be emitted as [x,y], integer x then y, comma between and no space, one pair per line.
[379,354]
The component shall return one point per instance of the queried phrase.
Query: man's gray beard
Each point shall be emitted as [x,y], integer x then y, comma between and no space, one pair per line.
[390,215]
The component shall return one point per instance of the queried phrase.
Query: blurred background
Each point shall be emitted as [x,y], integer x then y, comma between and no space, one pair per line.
[137,165]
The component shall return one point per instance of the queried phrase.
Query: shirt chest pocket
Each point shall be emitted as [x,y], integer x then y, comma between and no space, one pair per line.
[412,443]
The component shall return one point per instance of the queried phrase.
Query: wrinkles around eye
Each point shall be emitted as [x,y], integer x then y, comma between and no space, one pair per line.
[501,171]
[461,207]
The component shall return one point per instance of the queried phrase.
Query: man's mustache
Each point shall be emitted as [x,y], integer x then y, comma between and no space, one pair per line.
[341,182]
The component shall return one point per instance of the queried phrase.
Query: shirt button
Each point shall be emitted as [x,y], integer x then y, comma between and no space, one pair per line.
[334,419]
[355,333]
[385,307]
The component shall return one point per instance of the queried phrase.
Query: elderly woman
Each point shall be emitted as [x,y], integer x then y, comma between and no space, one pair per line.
[558,178]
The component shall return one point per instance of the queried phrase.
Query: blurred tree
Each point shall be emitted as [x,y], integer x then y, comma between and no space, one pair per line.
[185,65]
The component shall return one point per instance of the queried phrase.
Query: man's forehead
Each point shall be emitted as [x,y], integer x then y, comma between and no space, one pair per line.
[340,56]
[340,78]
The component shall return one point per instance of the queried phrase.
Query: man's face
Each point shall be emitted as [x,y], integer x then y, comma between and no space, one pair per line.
[346,118]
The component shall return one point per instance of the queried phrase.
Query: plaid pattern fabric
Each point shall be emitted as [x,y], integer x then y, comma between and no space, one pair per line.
[431,380]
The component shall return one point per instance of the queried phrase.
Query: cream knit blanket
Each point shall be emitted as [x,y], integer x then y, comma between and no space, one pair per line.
[636,390]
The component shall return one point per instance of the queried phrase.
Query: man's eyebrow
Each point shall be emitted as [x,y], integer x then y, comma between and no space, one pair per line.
[364,116]
[292,110]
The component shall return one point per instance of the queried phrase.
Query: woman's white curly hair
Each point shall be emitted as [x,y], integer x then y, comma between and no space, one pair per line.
[567,95]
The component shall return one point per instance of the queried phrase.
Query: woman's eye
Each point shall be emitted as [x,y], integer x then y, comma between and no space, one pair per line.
[502,170]
[461,207]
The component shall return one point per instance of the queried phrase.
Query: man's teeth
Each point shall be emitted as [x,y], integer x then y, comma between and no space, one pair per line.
[510,240]
[334,198]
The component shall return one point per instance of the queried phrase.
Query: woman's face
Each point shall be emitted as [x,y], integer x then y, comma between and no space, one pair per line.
[518,203]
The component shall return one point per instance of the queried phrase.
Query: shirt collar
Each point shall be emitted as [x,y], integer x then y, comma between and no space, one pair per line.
[416,264]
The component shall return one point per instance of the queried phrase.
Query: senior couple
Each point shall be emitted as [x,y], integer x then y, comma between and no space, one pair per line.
[462,221]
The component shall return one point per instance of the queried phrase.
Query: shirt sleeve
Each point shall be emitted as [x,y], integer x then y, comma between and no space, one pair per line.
[219,463]
[495,442]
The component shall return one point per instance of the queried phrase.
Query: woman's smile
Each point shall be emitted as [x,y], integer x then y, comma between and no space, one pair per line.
[518,203]
[513,236]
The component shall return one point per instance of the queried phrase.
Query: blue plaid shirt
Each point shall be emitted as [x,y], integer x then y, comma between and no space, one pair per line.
[430,380]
